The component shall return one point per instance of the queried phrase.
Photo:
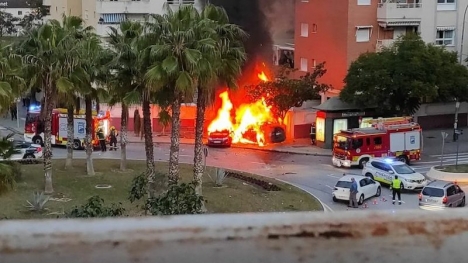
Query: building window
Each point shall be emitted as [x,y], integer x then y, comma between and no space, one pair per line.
[303,64]
[339,125]
[304,30]
[363,2]
[314,28]
[363,34]
[445,37]
[314,63]
[20,13]
[446,5]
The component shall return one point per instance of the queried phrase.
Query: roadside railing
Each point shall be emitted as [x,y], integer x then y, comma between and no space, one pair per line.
[359,236]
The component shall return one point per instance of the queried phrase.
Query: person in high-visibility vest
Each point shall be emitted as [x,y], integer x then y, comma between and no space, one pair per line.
[396,189]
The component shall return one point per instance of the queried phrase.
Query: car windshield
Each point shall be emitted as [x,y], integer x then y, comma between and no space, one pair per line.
[342,142]
[343,184]
[402,169]
[431,191]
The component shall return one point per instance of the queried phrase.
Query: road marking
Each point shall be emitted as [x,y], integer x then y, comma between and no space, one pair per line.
[329,187]
[326,208]
[258,162]
[450,154]
[334,176]
[180,155]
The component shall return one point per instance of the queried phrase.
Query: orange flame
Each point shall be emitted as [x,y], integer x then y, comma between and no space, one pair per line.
[249,118]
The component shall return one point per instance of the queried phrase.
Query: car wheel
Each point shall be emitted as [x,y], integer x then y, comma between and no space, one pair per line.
[29,156]
[404,159]
[361,200]
[379,191]
[363,162]
[37,140]
[462,204]
[334,199]
[76,145]
[370,176]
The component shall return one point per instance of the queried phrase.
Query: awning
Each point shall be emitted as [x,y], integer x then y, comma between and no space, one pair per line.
[399,23]
[113,18]
[445,28]
[363,27]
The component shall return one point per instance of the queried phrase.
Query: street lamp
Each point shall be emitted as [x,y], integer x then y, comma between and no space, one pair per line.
[457,103]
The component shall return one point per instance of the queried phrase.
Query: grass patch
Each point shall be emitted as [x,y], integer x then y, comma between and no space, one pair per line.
[74,187]
[462,168]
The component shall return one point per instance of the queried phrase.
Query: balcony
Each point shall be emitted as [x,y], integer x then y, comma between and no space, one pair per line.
[130,6]
[175,4]
[103,30]
[384,43]
[399,13]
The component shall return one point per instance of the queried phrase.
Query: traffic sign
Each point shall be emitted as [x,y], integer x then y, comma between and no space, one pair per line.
[444,135]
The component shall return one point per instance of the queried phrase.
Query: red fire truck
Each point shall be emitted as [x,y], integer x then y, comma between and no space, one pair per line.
[387,137]
[34,128]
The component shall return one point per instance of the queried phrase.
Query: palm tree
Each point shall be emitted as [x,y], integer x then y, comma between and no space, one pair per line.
[175,57]
[221,65]
[10,76]
[124,66]
[51,60]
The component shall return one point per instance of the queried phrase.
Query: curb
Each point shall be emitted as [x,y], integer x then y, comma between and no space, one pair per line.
[325,207]
[252,148]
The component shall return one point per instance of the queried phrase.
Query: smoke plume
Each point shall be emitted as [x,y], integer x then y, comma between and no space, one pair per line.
[279,16]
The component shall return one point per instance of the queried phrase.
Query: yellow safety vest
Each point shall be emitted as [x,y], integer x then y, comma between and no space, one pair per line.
[396,183]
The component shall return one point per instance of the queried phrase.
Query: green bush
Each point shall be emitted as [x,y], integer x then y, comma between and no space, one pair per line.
[95,208]
[138,188]
[7,177]
[180,199]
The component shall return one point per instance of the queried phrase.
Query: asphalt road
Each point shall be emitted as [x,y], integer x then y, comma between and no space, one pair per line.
[312,173]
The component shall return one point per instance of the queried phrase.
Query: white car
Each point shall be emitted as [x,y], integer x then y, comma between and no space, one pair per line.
[26,150]
[385,169]
[367,188]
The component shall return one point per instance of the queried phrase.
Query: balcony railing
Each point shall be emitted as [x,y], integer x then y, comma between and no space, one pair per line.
[400,4]
[344,237]
[180,2]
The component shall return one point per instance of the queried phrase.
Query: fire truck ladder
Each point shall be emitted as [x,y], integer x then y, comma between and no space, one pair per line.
[393,123]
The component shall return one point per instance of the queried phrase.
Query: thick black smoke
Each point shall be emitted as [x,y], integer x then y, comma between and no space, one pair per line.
[249,16]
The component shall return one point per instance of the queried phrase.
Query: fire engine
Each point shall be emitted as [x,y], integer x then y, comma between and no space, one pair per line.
[34,127]
[397,137]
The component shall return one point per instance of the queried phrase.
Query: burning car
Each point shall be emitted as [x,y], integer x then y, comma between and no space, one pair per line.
[271,133]
[220,138]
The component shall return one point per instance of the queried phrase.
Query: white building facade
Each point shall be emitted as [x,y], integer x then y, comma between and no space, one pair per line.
[437,21]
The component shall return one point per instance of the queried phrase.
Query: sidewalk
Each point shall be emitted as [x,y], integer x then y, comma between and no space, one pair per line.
[432,142]
[301,146]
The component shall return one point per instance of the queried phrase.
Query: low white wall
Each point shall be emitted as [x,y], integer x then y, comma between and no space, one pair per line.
[435,174]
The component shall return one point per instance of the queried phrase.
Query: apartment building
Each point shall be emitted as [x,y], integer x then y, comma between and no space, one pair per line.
[337,31]
[18,8]
[103,14]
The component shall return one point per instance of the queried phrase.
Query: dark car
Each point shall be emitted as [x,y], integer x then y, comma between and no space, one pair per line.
[274,133]
[220,138]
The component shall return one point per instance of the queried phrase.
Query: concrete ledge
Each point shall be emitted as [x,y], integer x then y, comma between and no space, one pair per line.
[435,174]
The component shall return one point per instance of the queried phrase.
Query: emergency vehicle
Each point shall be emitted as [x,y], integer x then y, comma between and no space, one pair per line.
[34,127]
[397,137]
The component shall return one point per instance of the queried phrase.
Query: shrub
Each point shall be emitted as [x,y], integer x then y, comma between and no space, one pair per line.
[138,187]
[179,199]
[7,177]
[95,208]
[38,202]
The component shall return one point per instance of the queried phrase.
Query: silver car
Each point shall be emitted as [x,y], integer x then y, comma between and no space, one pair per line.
[440,194]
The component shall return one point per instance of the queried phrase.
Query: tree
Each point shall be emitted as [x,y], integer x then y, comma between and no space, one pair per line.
[285,92]
[7,24]
[10,76]
[34,18]
[164,118]
[124,66]
[399,77]
[175,55]
[220,63]
[50,58]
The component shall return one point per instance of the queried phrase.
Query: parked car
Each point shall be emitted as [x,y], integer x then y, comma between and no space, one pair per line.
[26,150]
[440,194]
[384,170]
[220,138]
[367,188]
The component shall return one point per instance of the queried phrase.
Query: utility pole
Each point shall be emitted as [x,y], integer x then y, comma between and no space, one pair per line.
[457,132]
[444,136]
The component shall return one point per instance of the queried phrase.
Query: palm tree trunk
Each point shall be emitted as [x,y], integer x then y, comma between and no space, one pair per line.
[149,148]
[123,136]
[175,140]
[89,136]
[70,136]
[47,155]
[198,167]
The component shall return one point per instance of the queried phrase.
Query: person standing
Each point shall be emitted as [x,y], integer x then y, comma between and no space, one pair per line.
[13,111]
[102,139]
[353,190]
[113,139]
[396,189]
